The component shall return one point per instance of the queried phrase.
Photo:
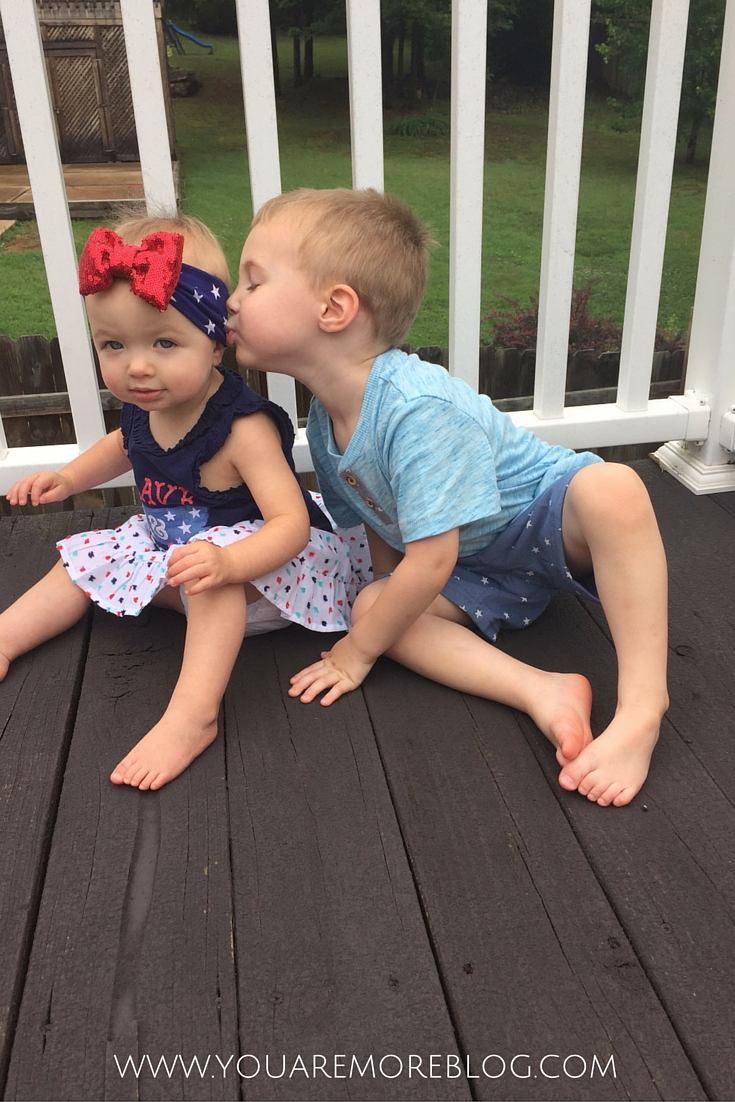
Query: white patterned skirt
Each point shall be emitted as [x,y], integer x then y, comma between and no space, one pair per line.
[122,569]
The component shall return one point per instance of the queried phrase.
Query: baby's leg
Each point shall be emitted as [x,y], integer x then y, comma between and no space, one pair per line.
[215,629]
[44,611]
[440,646]
[608,523]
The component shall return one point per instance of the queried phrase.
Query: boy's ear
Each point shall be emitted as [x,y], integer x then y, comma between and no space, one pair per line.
[339,308]
[217,353]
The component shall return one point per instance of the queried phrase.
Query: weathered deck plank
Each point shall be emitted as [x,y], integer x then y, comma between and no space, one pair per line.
[133,942]
[37,707]
[533,958]
[666,860]
[332,953]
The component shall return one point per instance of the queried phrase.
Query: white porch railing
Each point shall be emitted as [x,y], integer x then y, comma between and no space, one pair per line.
[701,424]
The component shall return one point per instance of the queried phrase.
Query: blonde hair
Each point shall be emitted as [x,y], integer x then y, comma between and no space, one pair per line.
[370,241]
[201,247]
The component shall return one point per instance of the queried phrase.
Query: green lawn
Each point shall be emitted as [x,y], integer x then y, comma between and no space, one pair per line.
[315,150]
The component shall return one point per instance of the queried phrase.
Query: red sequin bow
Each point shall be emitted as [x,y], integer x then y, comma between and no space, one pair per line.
[153,269]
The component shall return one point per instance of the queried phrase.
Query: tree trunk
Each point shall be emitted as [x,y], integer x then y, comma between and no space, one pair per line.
[401,52]
[420,71]
[307,18]
[692,139]
[297,61]
[417,60]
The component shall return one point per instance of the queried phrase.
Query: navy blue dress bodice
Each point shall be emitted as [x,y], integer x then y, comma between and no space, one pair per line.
[176,505]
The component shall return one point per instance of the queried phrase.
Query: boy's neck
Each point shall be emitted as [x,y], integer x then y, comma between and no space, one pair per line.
[338,381]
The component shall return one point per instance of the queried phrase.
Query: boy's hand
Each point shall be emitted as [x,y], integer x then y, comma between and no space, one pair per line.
[43,488]
[341,670]
[198,566]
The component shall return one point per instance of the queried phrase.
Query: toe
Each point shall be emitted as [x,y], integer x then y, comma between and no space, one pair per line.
[594,787]
[609,794]
[137,774]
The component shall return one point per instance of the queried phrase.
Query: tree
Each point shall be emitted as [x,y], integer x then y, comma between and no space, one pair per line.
[426,25]
[627,25]
[305,20]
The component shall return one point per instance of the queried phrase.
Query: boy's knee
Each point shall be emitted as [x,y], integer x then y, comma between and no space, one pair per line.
[611,490]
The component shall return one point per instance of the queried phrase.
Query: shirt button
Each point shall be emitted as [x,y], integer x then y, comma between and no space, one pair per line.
[351,480]
[370,503]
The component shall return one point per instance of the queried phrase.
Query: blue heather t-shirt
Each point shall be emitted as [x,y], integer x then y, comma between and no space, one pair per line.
[429,455]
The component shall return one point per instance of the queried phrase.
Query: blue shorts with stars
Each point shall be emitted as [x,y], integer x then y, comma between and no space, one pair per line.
[509,583]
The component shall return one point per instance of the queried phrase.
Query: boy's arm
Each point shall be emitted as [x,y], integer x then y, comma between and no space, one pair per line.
[103,461]
[383,557]
[256,452]
[415,582]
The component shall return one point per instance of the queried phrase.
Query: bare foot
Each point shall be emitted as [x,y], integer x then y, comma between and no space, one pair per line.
[613,768]
[562,712]
[165,752]
[4,667]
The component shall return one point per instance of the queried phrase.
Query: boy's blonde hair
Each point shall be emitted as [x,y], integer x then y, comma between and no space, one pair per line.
[370,241]
[201,247]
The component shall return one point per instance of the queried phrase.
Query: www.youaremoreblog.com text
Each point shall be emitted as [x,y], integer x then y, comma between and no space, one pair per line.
[522,1065]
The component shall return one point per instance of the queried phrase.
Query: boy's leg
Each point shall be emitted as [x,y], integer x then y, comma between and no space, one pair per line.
[440,646]
[44,611]
[608,524]
[215,629]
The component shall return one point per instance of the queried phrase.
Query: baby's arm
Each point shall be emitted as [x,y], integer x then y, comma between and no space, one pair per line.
[103,461]
[415,582]
[254,447]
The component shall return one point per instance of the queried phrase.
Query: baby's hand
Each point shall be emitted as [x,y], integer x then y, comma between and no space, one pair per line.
[43,488]
[341,670]
[198,566]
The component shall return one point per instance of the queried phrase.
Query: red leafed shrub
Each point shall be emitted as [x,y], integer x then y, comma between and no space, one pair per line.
[518,327]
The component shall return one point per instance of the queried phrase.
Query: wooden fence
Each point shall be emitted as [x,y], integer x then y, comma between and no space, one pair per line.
[35,407]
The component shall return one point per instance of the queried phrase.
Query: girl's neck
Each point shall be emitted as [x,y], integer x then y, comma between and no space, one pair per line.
[169,426]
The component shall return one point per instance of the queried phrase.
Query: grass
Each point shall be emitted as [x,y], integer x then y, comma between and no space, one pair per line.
[315,152]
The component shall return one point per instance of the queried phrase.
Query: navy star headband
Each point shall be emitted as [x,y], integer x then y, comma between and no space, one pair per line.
[201,297]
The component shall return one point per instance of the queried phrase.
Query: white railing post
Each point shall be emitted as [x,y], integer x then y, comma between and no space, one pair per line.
[259,99]
[366,93]
[709,466]
[563,159]
[146,87]
[35,112]
[653,190]
[469,51]
[261,130]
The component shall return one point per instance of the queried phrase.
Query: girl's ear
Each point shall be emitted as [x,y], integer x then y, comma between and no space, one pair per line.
[217,353]
[339,308]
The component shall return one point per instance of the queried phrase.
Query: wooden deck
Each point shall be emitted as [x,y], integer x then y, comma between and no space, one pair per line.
[91,189]
[397,876]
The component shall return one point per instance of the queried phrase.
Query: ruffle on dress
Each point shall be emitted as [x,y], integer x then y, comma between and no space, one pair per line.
[122,569]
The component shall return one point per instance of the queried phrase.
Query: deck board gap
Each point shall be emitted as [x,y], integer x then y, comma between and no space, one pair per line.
[451,1009]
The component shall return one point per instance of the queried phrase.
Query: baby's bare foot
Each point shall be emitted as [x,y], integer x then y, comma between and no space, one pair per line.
[165,752]
[613,768]
[562,712]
